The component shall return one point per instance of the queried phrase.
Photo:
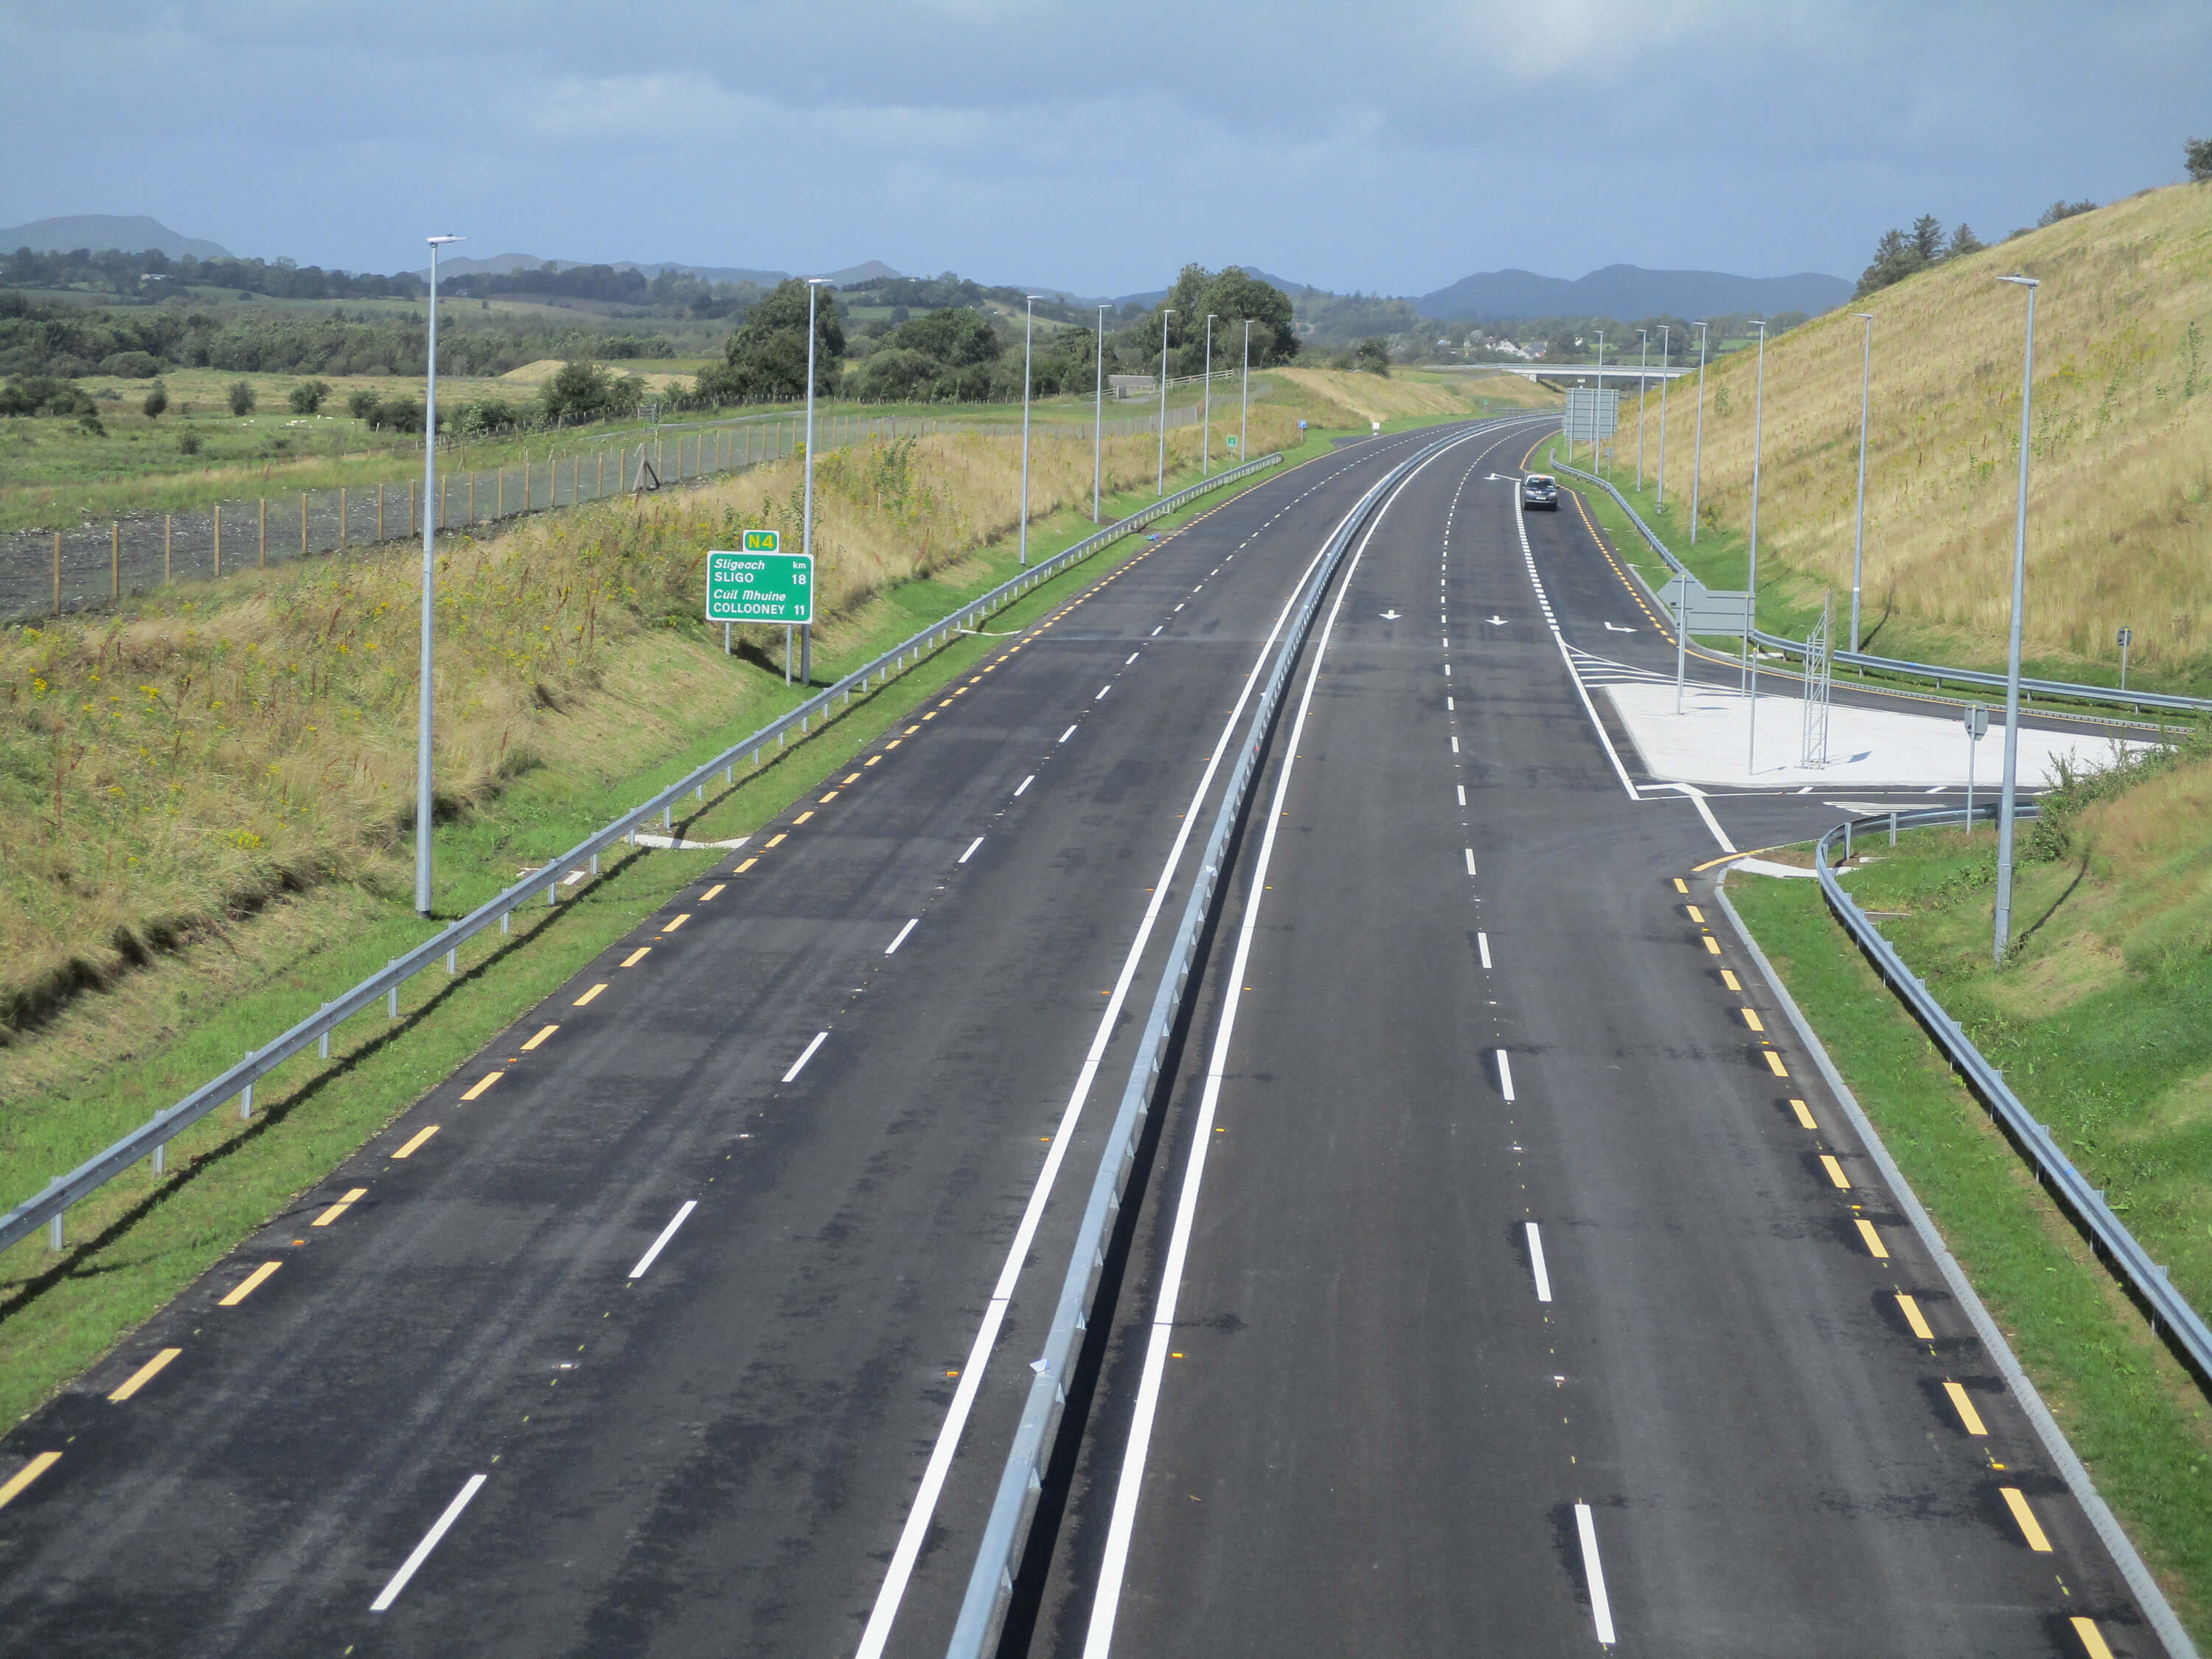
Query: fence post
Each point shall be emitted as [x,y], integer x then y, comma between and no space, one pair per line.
[499,492]
[57,572]
[114,560]
[218,539]
[411,509]
[168,521]
[525,482]
[472,498]
[303,524]
[379,512]
[341,518]
[261,547]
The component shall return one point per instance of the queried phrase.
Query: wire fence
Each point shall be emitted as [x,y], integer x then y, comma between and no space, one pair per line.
[44,572]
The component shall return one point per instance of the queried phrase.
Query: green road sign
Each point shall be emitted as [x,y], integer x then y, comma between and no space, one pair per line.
[1232,440]
[760,584]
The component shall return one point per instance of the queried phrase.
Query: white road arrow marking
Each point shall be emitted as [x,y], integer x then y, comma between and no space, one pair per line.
[1495,622]
[1390,615]
[1615,628]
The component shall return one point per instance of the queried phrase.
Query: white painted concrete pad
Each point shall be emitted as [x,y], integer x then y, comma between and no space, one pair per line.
[1868,748]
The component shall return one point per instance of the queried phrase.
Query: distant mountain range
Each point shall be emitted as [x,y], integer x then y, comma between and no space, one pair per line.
[134,234]
[1631,291]
[1623,291]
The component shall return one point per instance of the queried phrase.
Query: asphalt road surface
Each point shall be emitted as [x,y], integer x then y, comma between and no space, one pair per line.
[1504,1280]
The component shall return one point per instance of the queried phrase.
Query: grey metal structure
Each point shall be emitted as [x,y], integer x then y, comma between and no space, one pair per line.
[990,1583]
[1819,674]
[1941,674]
[1593,413]
[544,885]
[2147,1279]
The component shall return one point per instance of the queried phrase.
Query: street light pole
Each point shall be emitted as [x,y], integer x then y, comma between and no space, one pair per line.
[1098,418]
[1858,535]
[1597,414]
[422,798]
[1666,362]
[2001,945]
[1643,393]
[814,286]
[1244,426]
[1206,442]
[1160,477]
[1028,332]
[1698,452]
[1751,606]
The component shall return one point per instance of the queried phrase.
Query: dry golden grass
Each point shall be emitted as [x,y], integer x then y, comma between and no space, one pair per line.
[1376,397]
[2120,504]
[177,764]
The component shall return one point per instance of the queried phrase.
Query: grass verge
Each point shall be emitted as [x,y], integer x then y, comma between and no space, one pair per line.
[2136,1417]
[143,1238]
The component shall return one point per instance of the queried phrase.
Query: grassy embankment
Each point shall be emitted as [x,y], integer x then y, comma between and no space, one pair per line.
[54,475]
[205,799]
[2121,496]
[2098,1023]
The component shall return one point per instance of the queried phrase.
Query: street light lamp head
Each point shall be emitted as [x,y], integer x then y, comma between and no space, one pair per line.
[441,241]
[2025,282]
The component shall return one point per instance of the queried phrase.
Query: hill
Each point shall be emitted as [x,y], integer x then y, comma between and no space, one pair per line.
[133,233]
[2120,502]
[1628,291]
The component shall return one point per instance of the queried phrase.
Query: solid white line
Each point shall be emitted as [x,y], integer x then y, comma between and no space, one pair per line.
[1482,943]
[1600,1609]
[903,932]
[399,1580]
[681,1215]
[1114,1565]
[978,842]
[922,1511]
[1537,1261]
[1070,733]
[1505,1075]
[1470,859]
[1024,784]
[800,1065]
[1520,524]
[1698,799]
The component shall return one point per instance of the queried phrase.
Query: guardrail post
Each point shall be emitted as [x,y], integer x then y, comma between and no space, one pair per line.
[504,917]
[1892,829]
[161,1158]
[54,1227]
[246,1100]
[595,864]
[323,1042]
[1847,841]
[450,955]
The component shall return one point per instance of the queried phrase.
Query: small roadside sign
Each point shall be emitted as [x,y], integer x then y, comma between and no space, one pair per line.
[760,583]
[2127,638]
[1302,426]
[1232,440]
[1977,721]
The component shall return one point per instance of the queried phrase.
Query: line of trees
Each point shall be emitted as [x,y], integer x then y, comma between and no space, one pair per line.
[64,341]
[153,274]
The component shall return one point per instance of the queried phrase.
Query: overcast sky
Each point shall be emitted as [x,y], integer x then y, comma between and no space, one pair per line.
[1097,149]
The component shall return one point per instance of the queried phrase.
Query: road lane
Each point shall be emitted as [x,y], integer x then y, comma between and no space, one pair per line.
[727,1443]
[1719,1436]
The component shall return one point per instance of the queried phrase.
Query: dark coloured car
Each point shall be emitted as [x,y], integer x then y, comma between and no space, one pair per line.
[1539,489]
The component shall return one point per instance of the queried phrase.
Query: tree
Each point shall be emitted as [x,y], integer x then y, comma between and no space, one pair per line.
[157,400]
[585,391]
[1927,239]
[1372,357]
[362,404]
[1896,257]
[1963,240]
[955,336]
[2063,209]
[2196,156]
[241,397]
[767,355]
[307,396]
[398,413]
